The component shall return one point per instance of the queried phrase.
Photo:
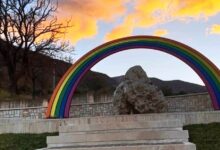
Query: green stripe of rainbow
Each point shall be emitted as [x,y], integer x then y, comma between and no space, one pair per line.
[60,101]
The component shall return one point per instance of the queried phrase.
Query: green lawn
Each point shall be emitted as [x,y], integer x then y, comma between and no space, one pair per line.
[205,136]
[23,141]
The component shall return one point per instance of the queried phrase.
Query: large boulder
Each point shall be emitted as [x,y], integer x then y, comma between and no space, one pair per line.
[136,94]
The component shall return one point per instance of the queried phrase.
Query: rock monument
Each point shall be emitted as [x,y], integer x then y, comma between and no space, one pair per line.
[137,95]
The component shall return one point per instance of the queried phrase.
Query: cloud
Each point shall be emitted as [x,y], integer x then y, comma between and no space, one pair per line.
[214,29]
[160,32]
[148,13]
[145,14]
[197,8]
[122,30]
[85,14]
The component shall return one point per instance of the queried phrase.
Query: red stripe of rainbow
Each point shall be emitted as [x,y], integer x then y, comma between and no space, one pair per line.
[60,101]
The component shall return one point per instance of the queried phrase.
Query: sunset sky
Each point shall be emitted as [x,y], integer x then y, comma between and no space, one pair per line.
[192,22]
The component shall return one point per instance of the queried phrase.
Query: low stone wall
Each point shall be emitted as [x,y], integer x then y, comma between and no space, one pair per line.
[92,109]
[28,112]
[77,110]
[180,103]
[189,102]
[21,103]
[52,125]
[6,103]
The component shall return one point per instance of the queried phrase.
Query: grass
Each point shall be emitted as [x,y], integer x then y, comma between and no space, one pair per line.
[205,136]
[23,141]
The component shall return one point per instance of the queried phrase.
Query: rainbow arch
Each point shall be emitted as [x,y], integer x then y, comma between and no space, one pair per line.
[60,101]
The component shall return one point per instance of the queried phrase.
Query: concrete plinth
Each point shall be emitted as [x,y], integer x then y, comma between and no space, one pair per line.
[183,146]
[154,134]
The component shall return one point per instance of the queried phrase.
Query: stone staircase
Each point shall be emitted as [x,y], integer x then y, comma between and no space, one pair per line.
[122,135]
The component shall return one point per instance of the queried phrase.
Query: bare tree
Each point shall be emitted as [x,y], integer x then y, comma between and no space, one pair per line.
[28,27]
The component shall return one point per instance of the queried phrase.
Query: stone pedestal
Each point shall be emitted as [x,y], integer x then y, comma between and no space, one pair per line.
[122,135]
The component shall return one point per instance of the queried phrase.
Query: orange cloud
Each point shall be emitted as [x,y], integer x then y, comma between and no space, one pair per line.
[197,8]
[160,32]
[142,14]
[147,13]
[122,30]
[86,13]
[215,29]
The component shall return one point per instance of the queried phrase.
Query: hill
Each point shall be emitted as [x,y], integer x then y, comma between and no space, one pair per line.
[99,82]
[49,69]
[172,87]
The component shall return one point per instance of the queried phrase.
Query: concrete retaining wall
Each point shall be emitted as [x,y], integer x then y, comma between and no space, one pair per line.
[52,125]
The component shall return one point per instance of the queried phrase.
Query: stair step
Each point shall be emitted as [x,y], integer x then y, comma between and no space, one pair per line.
[117,130]
[181,146]
[118,136]
[118,143]
[121,125]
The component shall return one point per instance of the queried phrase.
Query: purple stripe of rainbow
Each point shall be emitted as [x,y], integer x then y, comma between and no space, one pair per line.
[60,101]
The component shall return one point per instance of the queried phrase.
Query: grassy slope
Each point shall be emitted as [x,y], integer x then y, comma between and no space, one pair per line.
[205,136]
[23,141]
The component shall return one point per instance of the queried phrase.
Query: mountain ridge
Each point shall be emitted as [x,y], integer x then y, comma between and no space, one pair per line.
[108,84]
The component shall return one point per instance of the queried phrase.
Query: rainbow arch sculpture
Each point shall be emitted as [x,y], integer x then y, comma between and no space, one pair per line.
[60,101]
